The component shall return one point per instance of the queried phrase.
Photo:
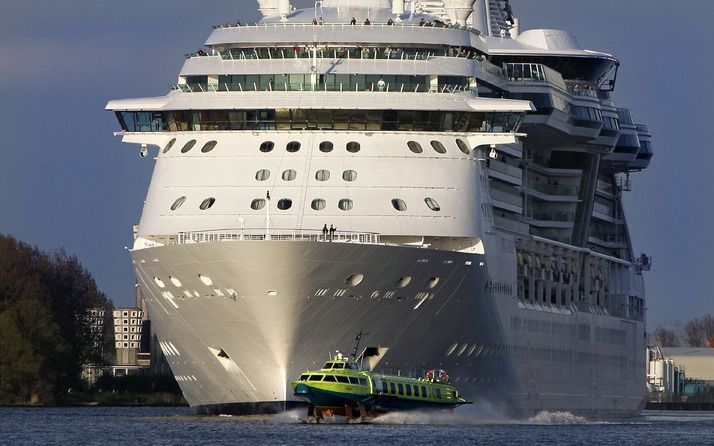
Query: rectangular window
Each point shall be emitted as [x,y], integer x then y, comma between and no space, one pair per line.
[392,389]
[401,388]
[384,387]
[423,391]
[409,389]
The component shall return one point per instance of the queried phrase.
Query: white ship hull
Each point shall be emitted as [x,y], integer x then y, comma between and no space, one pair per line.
[246,318]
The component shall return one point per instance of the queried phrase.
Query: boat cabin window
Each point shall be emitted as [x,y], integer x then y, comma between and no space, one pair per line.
[392,388]
[423,391]
[416,391]
[362,381]
[353,380]
[437,391]
[409,389]
[338,365]
[401,388]
[384,387]
[342,379]
[315,378]
[330,378]
[303,377]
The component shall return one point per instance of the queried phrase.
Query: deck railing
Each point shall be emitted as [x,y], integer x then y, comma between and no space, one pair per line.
[302,235]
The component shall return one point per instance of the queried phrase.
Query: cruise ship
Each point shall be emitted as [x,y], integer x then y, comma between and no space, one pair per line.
[424,173]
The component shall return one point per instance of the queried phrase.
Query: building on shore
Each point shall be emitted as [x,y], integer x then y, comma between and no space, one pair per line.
[128,330]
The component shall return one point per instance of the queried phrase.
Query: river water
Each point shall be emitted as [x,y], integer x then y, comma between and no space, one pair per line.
[177,426]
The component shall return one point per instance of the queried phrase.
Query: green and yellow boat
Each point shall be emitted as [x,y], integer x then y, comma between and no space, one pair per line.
[341,387]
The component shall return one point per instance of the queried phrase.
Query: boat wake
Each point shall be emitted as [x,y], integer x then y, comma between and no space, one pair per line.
[546,417]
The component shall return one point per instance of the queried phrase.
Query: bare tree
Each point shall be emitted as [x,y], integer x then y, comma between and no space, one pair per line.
[665,338]
[708,326]
[694,333]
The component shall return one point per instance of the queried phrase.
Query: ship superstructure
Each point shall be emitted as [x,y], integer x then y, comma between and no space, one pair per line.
[454,193]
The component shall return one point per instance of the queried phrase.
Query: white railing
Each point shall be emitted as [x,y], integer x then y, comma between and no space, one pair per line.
[302,235]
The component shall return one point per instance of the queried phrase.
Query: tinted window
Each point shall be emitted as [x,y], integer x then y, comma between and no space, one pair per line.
[177,204]
[207,203]
[330,378]
[353,380]
[414,147]
[392,388]
[262,175]
[401,388]
[353,147]
[345,204]
[289,175]
[267,146]
[409,389]
[326,146]
[433,205]
[188,146]
[439,147]
[315,378]
[349,175]
[423,391]
[210,145]
[399,204]
[303,377]
[322,175]
[342,379]
[462,146]
[169,145]
[284,204]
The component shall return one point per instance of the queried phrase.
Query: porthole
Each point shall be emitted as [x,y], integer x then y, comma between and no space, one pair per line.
[403,281]
[415,147]
[439,147]
[354,279]
[289,175]
[433,205]
[257,204]
[463,147]
[175,281]
[210,145]
[349,175]
[345,204]
[284,204]
[170,144]
[262,175]
[207,203]
[177,204]
[267,146]
[318,204]
[322,175]
[399,204]
[353,147]
[206,280]
[188,146]
[431,283]
[293,146]
[326,146]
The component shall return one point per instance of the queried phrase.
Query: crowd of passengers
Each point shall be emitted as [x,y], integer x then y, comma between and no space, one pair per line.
[320,21]
[358,52]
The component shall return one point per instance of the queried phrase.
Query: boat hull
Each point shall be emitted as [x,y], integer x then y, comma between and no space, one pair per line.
[249,316]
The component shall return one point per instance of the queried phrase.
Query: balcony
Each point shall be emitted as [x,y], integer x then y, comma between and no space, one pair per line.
[554,192]
[505,200]
[505,172]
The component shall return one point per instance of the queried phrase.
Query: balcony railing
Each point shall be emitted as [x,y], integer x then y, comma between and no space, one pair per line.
[369,86]
[341,26]
[304,235]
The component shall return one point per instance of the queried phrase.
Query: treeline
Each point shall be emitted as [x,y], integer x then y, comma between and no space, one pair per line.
[695,333]
[45,334]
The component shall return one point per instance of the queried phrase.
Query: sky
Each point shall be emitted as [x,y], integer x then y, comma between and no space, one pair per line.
[67,182]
